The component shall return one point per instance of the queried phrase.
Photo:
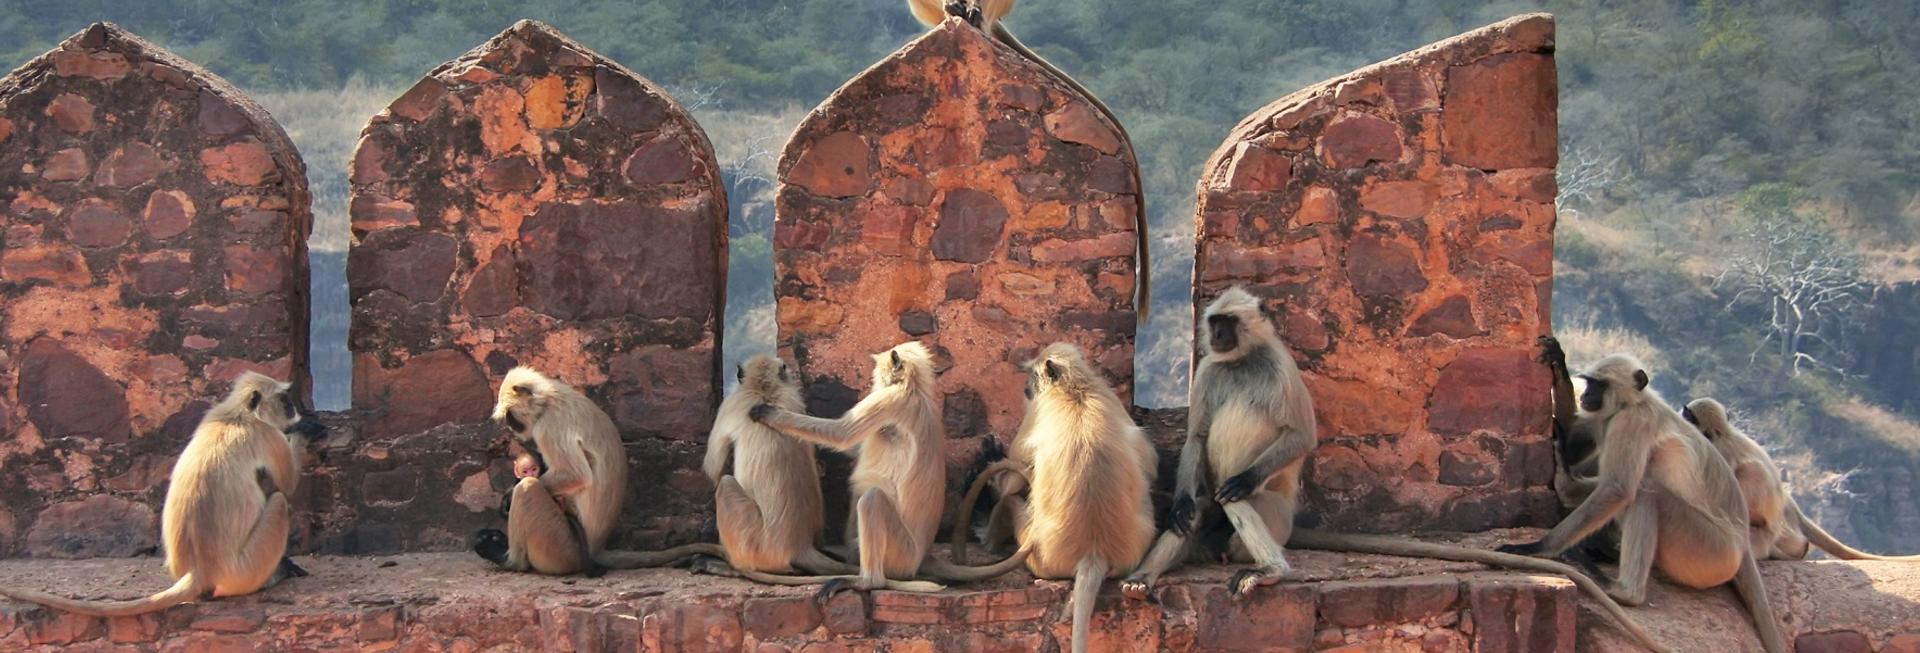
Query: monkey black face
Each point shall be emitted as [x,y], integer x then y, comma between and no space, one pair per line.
[1223,333]
[513,423]
[1686,413]
[1595,397]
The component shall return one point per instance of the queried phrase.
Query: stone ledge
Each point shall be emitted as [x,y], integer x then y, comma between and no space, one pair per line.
[454,602]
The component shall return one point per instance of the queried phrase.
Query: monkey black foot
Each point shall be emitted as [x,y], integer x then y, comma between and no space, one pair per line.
[760,412]
[1239,487]
[1521,549]
[1245,580]
[1581,557]
[491,545]
[1138,589]
[290,570]
[593,570]
[832,587]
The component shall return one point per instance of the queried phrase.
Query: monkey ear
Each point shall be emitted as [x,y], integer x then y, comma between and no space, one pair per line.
[895,356]
[1053,371]
[1640,379]
[523,390]
[253,400]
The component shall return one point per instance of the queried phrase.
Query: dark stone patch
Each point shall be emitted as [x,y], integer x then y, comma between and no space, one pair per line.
[663,161]
[495,288]
[1453,318]
[66,396]
[513,175]
[965,414]
[962,285]
[414,264]
[601,259]
[917,323]
[1383,268]
[970,225]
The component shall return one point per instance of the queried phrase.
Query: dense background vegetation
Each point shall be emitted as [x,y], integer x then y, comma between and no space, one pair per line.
[1738,178]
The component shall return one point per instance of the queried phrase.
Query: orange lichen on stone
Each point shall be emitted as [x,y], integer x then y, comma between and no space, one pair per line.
[1398,221]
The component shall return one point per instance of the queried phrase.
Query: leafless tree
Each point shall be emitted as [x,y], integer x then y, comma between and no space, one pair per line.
[1809,283]
[1582,177]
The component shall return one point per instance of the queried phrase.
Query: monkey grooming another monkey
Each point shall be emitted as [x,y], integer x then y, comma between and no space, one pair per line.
[898,480]
[986,15]
[1087,512]
[1777,527]
[557,523]
[224,524]
[1675,499]
[1250,425]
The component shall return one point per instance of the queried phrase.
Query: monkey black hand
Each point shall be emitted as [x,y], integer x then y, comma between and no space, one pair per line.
[1238,487]
[1551,353]
[759,412]
[1521,549]
[1180,516]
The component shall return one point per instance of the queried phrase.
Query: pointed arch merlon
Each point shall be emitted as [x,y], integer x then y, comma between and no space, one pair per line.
[1399,222]
[533,202]
[153,248]
[957,194]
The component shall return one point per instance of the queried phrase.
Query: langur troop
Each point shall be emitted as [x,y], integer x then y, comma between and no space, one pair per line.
[1646,487]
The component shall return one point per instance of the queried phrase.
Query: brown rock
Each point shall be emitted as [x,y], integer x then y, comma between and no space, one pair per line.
[218,117]
[594,260]
[1111,175]
[369,161]
[71,113]
[103,66]
[1410,90]
[254,271]
[558,101]
[372,213]
[663,161]
[1360,603]
[56,263]
[1464,470]
[888,229]
[1522,614]
[414,264]
[1079,122]
[257,222]
[1379,267]
[63,628]
[835,166]
[67,165]
[495,287]
[168,214]
[970,225]
[98,526]
[515,174]
[779,617]
[1452,318]
[1502,112]
[95,223]
[420,101]
[243,163]
[917,323]
[1272,617]
[697,628]
[1353,140]
[846,614]
[66,396]
[1837,641]
[1120,243]
[161,273]
[229,618]
[626,102]
[1500,389]
[663,391]
[1320,205]
[439,387]
[1531,184]
[1258,169]
[962,285]
[1399,199]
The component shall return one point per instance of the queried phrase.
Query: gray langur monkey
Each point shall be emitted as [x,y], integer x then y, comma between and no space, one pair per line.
[225,521]
[1673,496]
[1777,527]
[558,522]
[899,477]
[987,15]
[1087,512]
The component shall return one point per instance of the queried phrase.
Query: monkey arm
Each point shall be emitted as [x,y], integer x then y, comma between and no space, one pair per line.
[568,468]
[841,434]
[1285,450]
[1563,402]
[719,446]
[1629,447]
[282,462]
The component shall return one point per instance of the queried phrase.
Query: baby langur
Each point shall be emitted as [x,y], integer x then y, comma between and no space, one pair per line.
[1674,498]
[1087,512]
[1250,426]
[898,480]
[1778,528]
[225,521]
[558,522]
[987,15]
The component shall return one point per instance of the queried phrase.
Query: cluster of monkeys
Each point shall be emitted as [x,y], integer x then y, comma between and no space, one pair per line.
[1683,491]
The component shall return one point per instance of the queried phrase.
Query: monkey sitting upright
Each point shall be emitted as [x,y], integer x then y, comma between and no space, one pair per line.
[898,480]
[1674,498]
[1776,525]
[1250,425]
[224,525]
[1086,512]
[558,522]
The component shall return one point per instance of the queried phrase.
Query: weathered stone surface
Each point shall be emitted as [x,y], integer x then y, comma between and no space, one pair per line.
[530,202]
[957,195]
[1522,614]
[1421,235]
[1832,642]
[107,279]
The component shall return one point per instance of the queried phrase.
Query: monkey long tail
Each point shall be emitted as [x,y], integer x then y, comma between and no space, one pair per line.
[1753,592]
[1145,281]
[1087,577]
[963,522]
[783,579]
[612,559]
[1833,546]
[965,574]
[1313,539]
[183,590]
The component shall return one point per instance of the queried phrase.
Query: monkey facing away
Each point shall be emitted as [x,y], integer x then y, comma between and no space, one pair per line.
[1086,512]
[1674,498]
[899,477]
[558,522]
[1777,527]
[225,521]
[1250,425]
[986,15]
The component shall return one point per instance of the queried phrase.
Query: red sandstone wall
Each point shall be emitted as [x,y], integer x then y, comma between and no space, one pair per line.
[1399,222]
[154,247]
[956,194]
[530,202]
